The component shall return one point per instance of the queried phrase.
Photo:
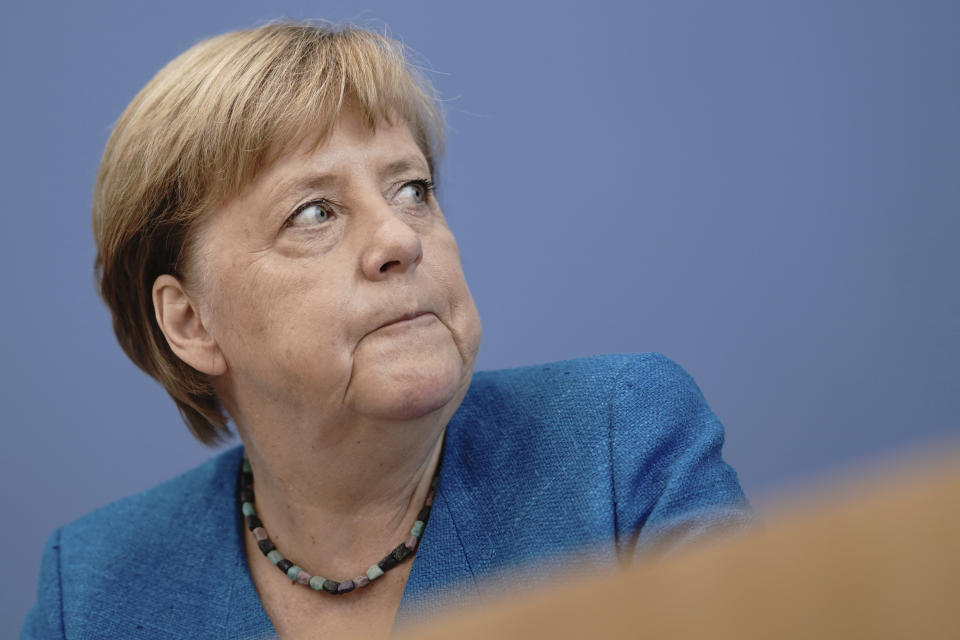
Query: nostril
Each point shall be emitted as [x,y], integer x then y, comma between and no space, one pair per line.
[387,265]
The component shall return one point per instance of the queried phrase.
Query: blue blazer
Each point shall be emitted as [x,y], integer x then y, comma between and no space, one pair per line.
[598,456]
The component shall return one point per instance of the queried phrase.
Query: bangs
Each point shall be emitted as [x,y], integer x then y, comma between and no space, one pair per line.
[221,112]
[286,84]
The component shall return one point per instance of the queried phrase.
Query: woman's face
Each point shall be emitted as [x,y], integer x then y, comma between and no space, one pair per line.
[333,284]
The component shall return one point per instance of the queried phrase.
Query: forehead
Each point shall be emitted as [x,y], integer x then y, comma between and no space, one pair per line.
[352,142]
[351,147]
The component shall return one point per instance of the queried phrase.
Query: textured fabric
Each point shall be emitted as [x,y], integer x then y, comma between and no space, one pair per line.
[598,457]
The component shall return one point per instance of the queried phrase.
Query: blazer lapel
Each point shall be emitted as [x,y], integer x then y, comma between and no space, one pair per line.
[441,574]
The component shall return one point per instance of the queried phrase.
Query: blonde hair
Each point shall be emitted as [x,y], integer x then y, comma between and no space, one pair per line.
[204,127]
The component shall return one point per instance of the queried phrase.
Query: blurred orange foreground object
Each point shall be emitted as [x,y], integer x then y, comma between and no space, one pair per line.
[878,559]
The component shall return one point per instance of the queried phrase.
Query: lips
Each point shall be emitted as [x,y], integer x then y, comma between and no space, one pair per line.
[404,318]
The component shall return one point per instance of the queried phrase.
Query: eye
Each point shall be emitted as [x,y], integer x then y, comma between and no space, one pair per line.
[415,192]
[310,214]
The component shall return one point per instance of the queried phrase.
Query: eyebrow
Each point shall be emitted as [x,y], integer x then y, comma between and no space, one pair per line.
[402,165]
[296,187]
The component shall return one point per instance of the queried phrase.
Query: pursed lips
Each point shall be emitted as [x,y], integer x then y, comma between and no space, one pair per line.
[404,318]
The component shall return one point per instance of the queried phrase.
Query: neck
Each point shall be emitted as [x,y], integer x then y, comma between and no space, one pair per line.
[337,497]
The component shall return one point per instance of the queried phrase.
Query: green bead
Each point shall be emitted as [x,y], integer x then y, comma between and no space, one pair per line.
[417,528]
[374,572]
[248,509]
[316,583]
[275,556]
[246,466]
[293,572]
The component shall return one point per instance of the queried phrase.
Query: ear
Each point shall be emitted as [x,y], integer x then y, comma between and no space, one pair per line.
[180,321]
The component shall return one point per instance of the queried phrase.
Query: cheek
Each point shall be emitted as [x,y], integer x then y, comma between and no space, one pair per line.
[464,320]
[277,314]
[241,307]
[471,328]
[283,343]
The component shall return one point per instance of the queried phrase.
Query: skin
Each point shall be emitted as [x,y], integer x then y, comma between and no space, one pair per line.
[328,305]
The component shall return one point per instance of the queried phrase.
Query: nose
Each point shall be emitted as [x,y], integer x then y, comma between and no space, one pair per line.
[394,247]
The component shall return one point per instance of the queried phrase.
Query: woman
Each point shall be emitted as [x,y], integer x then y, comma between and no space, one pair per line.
[271,250]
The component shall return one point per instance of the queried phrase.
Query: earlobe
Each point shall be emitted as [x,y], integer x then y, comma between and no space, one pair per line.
[181,323]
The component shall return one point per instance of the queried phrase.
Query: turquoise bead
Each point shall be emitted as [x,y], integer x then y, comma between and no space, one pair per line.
[246,466]
[293,572]
[374,572]
[275,556]
[417,528]
[316,583]
[248,509]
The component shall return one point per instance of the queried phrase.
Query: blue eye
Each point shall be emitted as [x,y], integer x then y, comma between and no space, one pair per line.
[415,192]
[310,214]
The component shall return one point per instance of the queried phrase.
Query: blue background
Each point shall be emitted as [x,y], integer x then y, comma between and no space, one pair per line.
[767,192]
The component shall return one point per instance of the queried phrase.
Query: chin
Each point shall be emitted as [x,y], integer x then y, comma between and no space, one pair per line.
[408,389]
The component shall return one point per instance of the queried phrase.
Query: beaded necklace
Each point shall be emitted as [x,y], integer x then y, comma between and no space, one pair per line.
[297,573]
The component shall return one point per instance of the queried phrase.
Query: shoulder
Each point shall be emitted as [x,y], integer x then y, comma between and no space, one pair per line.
[539,451]
[141,520]
[579,379]
[574,392]
[138,566]
[579,451]
[537,415]
[599,367]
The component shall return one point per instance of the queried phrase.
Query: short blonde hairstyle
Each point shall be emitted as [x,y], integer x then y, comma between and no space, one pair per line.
[205,126]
